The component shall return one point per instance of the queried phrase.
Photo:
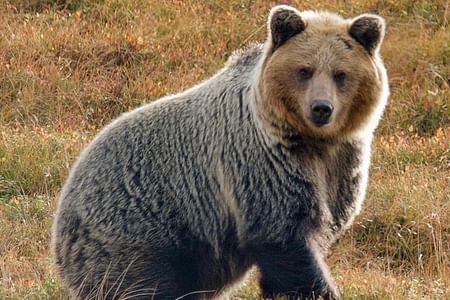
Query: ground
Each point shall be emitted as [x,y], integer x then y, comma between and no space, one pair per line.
[67,67]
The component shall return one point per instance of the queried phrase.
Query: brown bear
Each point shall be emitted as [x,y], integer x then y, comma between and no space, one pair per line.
[264,164]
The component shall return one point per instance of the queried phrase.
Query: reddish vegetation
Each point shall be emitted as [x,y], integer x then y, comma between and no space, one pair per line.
[67,67]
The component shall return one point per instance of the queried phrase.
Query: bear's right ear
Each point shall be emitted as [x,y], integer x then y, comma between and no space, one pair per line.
[284,22]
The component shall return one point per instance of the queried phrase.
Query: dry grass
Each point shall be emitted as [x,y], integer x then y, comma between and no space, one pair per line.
[67,67]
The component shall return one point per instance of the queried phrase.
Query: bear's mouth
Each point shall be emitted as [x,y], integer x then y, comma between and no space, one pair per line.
[320,123]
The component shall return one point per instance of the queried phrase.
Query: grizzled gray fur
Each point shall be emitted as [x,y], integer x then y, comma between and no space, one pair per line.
[264,164]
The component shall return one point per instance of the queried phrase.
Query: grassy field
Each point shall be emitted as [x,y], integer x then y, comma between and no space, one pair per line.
[67,67]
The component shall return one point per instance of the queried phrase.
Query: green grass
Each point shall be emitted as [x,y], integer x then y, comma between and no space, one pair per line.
[68,67]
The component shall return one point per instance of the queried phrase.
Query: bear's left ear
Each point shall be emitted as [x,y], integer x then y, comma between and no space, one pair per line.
[284,22]
[368,30]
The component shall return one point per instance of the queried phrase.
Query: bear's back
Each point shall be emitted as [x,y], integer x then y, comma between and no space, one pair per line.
[152,163]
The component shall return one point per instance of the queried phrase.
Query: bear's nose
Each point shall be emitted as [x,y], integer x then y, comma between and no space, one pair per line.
[321,112]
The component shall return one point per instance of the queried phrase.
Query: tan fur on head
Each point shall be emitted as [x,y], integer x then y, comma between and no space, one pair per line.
[322,56]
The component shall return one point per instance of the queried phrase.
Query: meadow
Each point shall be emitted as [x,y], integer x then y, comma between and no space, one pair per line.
[68,67]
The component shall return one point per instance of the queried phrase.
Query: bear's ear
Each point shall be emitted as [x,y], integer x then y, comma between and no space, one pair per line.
[368,30]
[284,22]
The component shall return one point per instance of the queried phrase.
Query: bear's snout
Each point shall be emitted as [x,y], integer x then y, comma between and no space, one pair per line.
[321,111]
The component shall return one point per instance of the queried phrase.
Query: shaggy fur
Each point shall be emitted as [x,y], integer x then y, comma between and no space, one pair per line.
[180,197]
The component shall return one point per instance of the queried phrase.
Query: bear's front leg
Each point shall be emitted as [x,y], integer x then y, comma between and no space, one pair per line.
[296,270]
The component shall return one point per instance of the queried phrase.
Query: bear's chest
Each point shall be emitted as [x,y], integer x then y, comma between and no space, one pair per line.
[282,200]
[340,184]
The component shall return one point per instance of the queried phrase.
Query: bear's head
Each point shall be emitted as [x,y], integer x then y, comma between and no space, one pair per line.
[321,75]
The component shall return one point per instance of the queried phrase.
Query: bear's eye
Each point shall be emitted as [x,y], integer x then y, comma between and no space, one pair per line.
[305,73]
[339,77]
